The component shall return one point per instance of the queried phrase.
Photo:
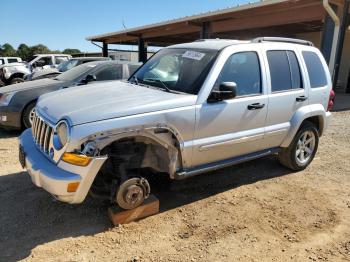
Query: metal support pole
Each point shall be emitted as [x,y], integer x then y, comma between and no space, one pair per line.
[206,30]
[343,28]
[336,20]
[105,50]
[142,50]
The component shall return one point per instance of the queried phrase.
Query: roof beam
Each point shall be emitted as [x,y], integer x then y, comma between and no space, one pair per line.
[312,13]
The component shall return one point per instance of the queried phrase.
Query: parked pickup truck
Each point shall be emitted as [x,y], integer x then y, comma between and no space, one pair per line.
[190,109]
[14,73]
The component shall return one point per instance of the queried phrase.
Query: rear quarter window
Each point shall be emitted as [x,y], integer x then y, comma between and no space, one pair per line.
[315,69]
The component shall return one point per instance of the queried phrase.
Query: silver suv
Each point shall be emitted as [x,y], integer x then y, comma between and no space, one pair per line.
[190,109]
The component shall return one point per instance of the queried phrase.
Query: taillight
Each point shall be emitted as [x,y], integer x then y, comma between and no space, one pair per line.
[331,100]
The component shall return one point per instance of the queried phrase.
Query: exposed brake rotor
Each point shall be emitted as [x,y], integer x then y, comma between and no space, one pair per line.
[132,193]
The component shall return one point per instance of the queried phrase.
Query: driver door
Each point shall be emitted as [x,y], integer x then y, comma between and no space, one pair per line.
[235,127]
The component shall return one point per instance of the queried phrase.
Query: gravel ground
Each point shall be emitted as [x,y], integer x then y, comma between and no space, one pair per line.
[257,211]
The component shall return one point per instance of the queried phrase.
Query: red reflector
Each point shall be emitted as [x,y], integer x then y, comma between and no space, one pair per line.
[331,100]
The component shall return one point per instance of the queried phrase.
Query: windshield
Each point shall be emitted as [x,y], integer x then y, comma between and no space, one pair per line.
[65,66]
[181,70]
[75,72]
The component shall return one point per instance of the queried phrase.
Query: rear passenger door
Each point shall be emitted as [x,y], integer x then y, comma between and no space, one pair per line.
[286,95]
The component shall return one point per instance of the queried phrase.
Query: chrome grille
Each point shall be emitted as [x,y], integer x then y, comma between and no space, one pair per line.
[42,133]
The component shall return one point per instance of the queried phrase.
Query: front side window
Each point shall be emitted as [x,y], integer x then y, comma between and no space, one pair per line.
[110,73]
[43,61]
[284,70]
[315,69]
[182,70]
[243,69]
[76,72]
[60,59]
[65,66]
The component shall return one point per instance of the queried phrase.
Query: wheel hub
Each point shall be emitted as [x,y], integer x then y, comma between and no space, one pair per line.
[132,193]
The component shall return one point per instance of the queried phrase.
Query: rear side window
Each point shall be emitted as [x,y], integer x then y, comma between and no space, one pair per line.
[12,60]
[284,70]
[315,69]
[243,69]
[110,73]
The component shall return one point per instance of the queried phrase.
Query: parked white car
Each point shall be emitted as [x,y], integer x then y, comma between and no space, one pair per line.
[9,60]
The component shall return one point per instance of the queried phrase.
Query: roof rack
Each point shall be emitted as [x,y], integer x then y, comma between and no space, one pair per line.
[283,40]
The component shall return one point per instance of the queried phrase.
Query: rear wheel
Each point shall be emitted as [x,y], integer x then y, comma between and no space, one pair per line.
[28,115]
[16,80]
[303,148]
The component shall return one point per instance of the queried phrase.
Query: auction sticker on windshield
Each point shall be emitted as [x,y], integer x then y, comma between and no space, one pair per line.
[193,55]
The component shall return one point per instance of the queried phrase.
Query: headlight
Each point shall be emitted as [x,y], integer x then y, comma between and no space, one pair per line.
[5,99]
[62,135]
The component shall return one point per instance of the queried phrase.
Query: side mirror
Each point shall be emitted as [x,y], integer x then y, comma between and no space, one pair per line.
[227,90]
[89,78]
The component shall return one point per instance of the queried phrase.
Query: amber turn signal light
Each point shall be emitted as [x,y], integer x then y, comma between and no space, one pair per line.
[76,159]
[72,187]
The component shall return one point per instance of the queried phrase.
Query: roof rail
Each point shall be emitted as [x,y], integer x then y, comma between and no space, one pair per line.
[282,39]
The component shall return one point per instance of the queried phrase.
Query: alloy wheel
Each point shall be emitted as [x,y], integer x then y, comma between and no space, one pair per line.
[305,147]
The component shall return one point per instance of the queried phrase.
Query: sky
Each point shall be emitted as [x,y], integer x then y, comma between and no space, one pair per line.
[64,24]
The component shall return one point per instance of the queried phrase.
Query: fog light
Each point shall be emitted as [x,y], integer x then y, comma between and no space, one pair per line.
[76,159]
[72,187]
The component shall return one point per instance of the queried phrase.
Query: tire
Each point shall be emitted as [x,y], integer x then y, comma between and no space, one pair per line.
[303,148]
[27,114]
[17,80]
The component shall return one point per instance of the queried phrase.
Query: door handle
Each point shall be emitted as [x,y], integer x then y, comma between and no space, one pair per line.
[301,98]
[255,106]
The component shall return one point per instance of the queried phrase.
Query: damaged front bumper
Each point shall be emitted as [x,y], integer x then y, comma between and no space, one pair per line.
[55,178]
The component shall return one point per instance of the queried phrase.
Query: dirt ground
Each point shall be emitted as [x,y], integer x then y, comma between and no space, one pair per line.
[257,211]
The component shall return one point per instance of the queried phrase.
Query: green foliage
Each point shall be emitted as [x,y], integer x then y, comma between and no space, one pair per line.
[7,50]
[39,49]
[71,51]
[23,51]
[26,53]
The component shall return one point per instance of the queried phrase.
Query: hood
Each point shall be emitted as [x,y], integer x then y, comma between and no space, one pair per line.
[44,72]
[95,102]
[30,85]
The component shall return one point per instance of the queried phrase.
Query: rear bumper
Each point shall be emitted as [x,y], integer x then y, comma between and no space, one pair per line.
[55,178]
[327,121]
[9,119]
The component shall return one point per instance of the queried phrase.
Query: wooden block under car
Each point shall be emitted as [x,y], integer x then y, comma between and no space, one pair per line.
[121,216]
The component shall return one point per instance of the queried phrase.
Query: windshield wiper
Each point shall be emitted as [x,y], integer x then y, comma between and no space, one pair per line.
[136,81]
[161,82]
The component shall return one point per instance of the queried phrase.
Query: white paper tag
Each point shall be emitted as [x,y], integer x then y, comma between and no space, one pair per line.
[193,55]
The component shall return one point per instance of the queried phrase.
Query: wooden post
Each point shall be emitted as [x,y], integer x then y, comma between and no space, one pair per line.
[142,50]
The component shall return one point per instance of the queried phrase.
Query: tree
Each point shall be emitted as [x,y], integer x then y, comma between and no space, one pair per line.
[7,50]
[39,49]
[71,51]
[23,51]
